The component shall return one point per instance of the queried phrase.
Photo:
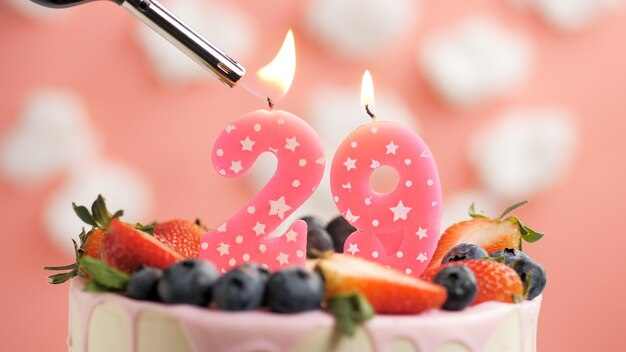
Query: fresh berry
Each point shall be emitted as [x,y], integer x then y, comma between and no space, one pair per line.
[189,281]
[387,290]
[313,221]
[496,281]
[532,274]
[242,288]
[182,235]
[339,229]
[492,235]
[461,285]
[99,219]
[464,251]
[142,284]
[294,289]
[93,242]
[508,255]
[126,248]
[318,241]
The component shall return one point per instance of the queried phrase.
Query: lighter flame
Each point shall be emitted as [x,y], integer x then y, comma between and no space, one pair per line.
[367,90]
[280,71]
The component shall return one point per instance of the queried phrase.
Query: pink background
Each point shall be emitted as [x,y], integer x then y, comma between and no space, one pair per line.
[167,131]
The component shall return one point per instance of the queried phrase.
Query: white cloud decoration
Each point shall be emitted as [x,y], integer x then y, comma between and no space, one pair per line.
[359,28]
[524,151]
[53,134]
[475,61]
[220,22]
[570,15]
[122,187]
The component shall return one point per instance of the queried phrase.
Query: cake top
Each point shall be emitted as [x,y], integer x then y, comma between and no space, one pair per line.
[476,261]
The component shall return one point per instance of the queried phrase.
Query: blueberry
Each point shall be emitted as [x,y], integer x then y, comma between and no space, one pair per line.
[242,288]
[464,251]
[339,230]
[189,281]
[532,274]
[460,283]
[142,284]
[509,255]
[318,241]
[294,289]
[313,221]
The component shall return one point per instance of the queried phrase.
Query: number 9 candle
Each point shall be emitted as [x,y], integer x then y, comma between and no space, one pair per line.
[399,229]
[245,236]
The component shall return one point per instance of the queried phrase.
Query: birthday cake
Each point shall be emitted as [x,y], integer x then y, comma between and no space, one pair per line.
[139,288]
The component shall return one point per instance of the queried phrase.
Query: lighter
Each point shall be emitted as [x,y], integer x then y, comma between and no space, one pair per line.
[176,32]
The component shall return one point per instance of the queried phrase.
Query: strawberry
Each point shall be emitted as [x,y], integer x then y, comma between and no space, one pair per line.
[387,290]
[125,248]
[496,281]
[181,235]
[99,218]
[92,244]
[491,234]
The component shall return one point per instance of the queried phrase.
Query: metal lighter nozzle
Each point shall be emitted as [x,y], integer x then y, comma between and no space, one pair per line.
[176,32]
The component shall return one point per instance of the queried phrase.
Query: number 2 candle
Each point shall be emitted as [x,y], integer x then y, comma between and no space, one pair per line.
[245,236]
[400,228]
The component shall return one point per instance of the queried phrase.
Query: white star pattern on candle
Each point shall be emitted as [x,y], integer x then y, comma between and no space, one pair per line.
[291,235]
[292,144]
[399,211]
[351,217]
[353,249]
[221,228]
[424,154]
[235,166]
[222,248]
[422,257]
[346,186]
[230,128]
[421,233]
[350,164]
[259,229]
[279,207]
[247,144]
[283,258]
[375,164]
[391,148]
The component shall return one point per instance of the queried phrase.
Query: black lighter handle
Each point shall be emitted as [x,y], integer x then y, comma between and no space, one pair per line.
[177,32]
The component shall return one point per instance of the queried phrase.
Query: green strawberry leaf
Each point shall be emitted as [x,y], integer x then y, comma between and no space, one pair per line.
[529,235]
[472,212]
[349,311]
[84,214]
[148,228]
[510,208]
[104,275]
[93,286]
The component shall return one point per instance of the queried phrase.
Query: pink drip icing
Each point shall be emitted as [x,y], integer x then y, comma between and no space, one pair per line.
[253,331]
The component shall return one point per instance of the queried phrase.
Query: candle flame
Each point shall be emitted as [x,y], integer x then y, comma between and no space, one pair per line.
[281,70]
[367,90]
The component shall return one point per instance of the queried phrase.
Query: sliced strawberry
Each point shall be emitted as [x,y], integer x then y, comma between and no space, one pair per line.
[181,235]
[491,234]
[126,248]
[496,281]
[387,290]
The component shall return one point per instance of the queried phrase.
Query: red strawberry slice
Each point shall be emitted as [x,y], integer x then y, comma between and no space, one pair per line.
[126,248]
[491,234]
[181,235]
[387,290]
[496,281]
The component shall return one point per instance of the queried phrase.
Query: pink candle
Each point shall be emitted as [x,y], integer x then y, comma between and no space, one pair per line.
[245,236]
[401,228]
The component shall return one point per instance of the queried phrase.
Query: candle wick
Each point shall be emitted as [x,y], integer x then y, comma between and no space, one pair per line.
[270,103]
[369,112]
